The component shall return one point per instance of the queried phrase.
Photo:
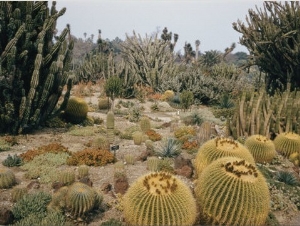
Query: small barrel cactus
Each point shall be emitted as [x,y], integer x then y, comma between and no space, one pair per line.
[295,158]
[137,137]
[18,193]
[83,171]
[7,178]
[159,199]
[81,199]
[66,177]
[287,143]
[76,110]
[232,191]
[153,163]
[104,103]
[217,148]
[145,124]
[262,148]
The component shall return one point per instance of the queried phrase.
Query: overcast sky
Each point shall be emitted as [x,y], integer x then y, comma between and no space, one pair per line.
[210,21]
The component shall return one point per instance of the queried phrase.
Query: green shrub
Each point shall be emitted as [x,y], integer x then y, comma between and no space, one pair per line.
[193,119]
[187,99]
[12,161]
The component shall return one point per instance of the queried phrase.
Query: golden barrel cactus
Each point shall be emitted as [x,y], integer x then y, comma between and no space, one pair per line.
[76,110]
[232,191]
[7,178]
[287,143]
[159,199]
[218,148]
[262,148]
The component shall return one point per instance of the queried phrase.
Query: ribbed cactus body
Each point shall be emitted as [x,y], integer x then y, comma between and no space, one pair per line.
[145,124]
[67,177]
[81,199]
[137,137]
[232,191]
[83,171]
[7,178]
[153,163]
[261,148]
[159,199]
[217,148]
[287,143]
[110,126]
[18,193]
[76,110]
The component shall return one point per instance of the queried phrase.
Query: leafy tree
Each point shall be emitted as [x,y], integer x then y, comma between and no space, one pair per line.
[272,36]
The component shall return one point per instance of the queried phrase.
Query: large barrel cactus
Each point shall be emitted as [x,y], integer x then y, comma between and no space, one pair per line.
[159,199]
[220,147]
[232,191]
[262,148]
[76,110]
[287,143]
[34,64]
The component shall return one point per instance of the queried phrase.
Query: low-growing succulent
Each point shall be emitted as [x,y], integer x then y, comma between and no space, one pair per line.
[7,178]
[153,135]
[262,148]
[17,193]
[287,178]
[232,191]
[170,147]
[12,161]
[287,143]
[217,148]
[159,199]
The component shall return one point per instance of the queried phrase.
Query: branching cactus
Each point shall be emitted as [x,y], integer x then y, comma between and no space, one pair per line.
[287,143]
[159,199]
[34,69]
[217,148]
[232,191]
[262,148]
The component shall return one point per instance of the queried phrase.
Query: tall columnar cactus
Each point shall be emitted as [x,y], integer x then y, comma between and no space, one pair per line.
[232,191]
[76,110]
[262,148]
[159,199]
[7,178]
[287,143]
[110,126]
[34,69]
[218,148]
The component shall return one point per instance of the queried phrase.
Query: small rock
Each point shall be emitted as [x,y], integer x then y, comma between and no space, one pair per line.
[34,185]
[185,171]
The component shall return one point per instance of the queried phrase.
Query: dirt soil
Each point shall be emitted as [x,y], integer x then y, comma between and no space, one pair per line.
[101,176]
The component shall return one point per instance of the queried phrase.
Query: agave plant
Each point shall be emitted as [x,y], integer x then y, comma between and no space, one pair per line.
[170,147]
[287,178]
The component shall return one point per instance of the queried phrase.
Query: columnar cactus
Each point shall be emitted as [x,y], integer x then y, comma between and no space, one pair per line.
[232,191]
[7,178]
[33,67]
[110,126]
[159,199]
[262,148]
[76,110]
[217,148]
[287,143]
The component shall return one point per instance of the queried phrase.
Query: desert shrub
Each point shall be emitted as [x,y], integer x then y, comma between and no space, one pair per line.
[49,148]
[12,161]
[127,133]
[154,107]
[226,101]
[287,178]
[91,157]
[187,99]
[104,103]
[223,112]
[111,222]
[18,193]
[83,131]
[191,145]
[182,131]
[55,122]
[100,142]
[193,118]
[7,178]
[166,165]
[44,166]
[153,135]
[170,147]
[35,203]
[134,113]
[167,95]
[4,145]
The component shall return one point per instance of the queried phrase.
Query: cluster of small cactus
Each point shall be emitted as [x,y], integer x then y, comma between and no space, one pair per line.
[76,110]
[232,191]
[217,148]
[287,143]
[34,67]
[91,157]
[7,178]
[261,148]
[159,199]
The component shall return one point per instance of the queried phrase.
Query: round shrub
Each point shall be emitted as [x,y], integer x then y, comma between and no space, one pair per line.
[217,148]
[159,199]
[287,143]
[262,148]
[232,191]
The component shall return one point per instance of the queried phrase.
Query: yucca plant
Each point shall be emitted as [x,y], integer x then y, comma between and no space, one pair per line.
[287,178]
[170,147]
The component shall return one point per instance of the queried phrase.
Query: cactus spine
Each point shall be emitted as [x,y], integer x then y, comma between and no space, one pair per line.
[217,148]
[232,191]
[287,143]
[76,110]
[159,199]
[262,148]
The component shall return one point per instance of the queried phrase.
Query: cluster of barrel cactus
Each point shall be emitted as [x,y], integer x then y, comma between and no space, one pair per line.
[33,67]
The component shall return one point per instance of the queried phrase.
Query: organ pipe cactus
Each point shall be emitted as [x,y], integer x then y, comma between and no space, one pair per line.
[33,67]
[232,191]
[262,148]
[159,199]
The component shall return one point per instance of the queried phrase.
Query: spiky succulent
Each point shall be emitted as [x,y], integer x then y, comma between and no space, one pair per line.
[170,147]
[287,143]
[159,199]
[76,110]
[232,191]
[287,178]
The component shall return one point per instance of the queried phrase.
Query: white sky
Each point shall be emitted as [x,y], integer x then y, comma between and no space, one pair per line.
[210,21]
